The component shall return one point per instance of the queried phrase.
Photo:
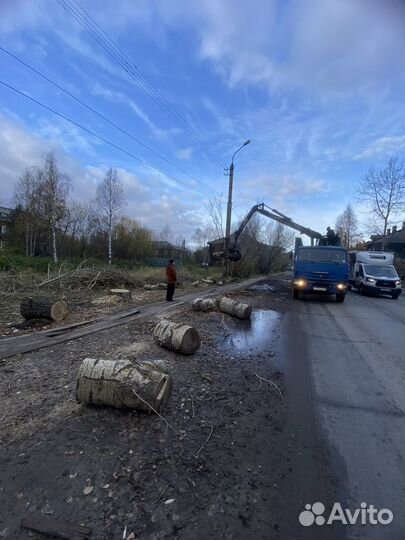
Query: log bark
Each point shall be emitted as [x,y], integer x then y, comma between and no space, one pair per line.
[122,384]
[125,294]
[177,337]
[235,308]
[43,308]
[204,304]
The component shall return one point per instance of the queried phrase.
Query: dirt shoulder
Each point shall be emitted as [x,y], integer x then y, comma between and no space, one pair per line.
[84,304]
[202,472]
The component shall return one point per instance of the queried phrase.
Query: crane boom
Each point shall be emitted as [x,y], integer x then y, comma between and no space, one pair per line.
[233,252]
[277,216]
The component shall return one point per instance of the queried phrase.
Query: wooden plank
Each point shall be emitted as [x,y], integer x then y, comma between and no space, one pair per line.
[40,341]
[56,528]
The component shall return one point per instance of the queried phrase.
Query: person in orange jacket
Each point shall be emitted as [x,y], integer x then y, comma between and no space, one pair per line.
[171,279]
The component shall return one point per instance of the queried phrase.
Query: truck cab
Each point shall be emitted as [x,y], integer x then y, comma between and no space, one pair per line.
[373,272]
[321,270]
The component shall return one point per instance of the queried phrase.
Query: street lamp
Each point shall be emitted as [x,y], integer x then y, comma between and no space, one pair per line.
[229,206]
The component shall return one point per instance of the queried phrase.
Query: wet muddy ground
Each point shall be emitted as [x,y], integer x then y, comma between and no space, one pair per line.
[212,468]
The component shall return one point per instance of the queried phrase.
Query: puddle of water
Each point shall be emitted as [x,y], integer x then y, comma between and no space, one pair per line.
[256,334]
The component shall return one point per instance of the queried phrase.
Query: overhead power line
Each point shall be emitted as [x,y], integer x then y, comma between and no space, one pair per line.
[100,115]
[90,25]
[106,141]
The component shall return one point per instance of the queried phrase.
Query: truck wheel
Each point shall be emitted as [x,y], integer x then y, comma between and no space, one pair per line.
[296,294]
[349,287]
[394,296]
[362,290]
[340,297]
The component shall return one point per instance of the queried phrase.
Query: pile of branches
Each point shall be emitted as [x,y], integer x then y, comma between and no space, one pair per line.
[91,278]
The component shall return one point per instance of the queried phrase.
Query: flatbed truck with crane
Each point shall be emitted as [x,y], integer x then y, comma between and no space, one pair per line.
[320,268]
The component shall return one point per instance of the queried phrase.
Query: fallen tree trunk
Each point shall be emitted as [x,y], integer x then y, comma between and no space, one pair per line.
[235,308]
[122,384]
[204,304]
[43,308]
[125,294]
[177,337]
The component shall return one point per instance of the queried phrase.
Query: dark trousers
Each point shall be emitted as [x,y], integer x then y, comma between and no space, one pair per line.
[170,291]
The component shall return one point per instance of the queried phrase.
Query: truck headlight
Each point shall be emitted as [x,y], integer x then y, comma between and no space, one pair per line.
[341,286]
[398,283]
[370,280]
[300,282]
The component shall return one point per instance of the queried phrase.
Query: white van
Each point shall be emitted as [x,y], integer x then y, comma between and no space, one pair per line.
[373,272]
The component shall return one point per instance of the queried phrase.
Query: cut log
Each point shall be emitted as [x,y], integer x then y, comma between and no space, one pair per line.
[196,283]
[177,337]
[204,304]
[125,294]
[208,281]
[235,308]
[148,287]
[122,384]
[43,308]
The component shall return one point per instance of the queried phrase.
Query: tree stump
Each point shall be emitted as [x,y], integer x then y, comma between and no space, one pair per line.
[122,384]
[124,294]
[235,308]
[204,304]
[177,337]
[43,308]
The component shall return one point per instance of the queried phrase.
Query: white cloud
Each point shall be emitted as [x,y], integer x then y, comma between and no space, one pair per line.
[158,133]
[152,199]
[327,47]
[184,153]
[383,146]
[118,97]
[333,47]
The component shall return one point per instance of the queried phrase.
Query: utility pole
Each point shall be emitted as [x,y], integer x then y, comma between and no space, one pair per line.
[228,218]
[229,210]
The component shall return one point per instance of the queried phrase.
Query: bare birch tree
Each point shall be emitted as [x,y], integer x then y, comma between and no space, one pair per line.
[54,188]
[215,210]
[110,201]
[383,191]
[26,196]
[347,227]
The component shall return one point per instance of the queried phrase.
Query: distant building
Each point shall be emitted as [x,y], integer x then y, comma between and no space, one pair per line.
[5,220]
[393,241]
[165,249]
[162,250]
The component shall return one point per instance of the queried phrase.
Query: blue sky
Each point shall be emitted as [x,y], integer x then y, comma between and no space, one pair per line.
[318,86]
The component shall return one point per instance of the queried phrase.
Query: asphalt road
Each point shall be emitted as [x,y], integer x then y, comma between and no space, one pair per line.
[345,365]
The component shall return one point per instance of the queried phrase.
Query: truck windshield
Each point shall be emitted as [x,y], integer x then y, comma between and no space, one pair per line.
[380,271]
[322,255]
